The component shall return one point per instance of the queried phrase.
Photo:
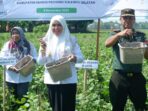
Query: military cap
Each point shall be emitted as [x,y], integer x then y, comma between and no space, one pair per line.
[127,12]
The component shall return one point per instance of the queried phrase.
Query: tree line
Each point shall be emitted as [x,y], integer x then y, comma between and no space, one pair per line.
[28,26]
[74,26]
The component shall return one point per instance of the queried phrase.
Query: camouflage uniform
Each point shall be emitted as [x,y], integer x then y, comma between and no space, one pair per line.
[127,79]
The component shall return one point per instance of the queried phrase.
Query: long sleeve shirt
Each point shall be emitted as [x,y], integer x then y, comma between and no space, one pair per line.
[12,76]
[46,59]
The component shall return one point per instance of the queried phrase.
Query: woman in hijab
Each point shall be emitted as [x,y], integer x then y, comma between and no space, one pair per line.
[56,44]
[18,47]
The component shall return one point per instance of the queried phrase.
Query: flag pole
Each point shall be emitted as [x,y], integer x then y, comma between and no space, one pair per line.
[4,86]
[97,40]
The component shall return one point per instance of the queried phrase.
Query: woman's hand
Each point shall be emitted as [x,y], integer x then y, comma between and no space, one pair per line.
[72,58]
[12,68]
[42,44]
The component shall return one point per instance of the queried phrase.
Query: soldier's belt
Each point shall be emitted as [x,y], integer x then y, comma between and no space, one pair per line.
[128,74]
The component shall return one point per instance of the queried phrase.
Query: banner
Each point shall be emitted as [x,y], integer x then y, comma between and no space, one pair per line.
[45,9]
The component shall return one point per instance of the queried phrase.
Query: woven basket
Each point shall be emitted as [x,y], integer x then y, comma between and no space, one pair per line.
[26,65]
[132,52]
[60,69]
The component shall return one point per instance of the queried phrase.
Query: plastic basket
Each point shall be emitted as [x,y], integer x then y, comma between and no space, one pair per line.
[132,52]
[60,69]
[26,65]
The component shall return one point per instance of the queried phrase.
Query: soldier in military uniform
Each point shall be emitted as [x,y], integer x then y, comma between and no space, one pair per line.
[127,80]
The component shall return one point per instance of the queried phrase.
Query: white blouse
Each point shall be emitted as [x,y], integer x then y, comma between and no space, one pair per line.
[14,77]
[42,60]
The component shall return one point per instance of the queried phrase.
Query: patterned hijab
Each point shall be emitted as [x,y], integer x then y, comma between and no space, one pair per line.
[21,47]
[59,46]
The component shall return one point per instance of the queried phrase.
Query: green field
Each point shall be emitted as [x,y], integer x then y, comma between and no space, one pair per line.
[94,98]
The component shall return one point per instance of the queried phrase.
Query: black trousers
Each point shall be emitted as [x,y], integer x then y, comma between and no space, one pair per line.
[122,86]
[18,89]
[62,97]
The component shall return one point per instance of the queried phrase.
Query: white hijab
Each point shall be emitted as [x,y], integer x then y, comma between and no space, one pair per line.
[58,46]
